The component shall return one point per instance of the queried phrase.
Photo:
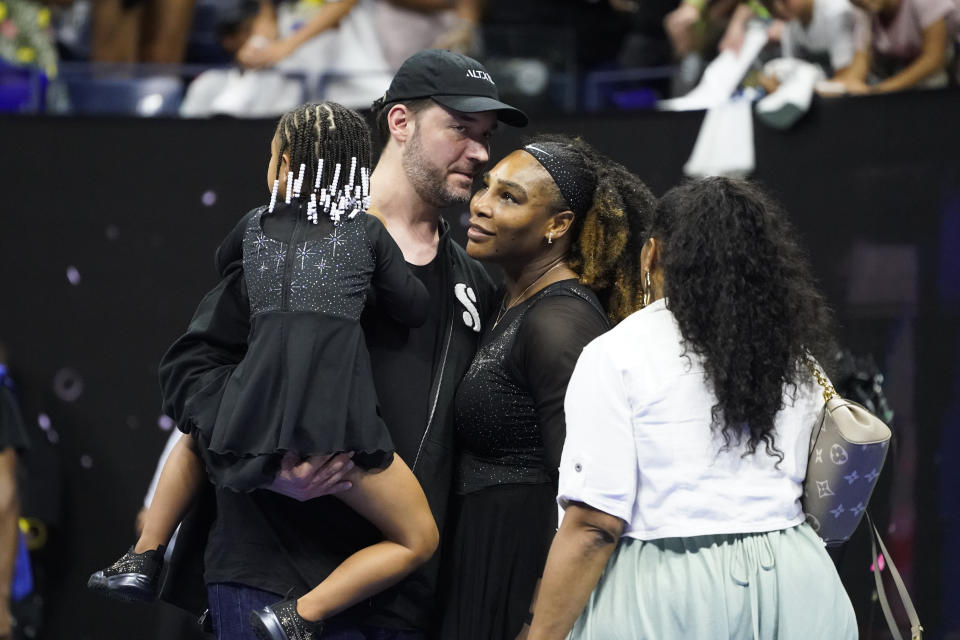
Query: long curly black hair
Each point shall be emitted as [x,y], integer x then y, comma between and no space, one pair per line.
[605,251]
[742,292]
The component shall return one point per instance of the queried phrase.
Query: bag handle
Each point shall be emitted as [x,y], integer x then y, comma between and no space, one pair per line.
[828,391]
[916,631]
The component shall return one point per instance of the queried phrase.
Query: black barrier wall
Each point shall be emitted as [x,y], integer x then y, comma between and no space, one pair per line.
[107,240]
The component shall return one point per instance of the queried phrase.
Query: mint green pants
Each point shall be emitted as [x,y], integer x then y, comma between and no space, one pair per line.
[776,585]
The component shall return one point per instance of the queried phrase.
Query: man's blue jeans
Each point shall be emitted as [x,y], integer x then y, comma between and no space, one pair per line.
[231,604]
[230,607]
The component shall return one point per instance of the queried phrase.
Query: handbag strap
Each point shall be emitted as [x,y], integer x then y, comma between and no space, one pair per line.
[916,631]
[828,391]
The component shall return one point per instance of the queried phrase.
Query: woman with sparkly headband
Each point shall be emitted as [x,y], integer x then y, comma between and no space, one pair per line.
[566,225]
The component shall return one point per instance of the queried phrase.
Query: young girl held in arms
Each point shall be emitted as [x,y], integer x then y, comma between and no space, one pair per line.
[304,386]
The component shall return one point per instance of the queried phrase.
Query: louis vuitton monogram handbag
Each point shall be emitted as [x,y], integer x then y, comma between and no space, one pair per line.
[848,447]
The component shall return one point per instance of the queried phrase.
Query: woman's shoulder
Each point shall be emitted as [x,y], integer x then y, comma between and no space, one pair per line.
[648,335]
[563,307]
[558,321]
[566,295]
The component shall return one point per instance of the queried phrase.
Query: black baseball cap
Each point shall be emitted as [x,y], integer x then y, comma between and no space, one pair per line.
[452,80]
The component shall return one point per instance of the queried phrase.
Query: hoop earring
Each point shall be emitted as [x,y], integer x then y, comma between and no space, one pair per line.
[646,290]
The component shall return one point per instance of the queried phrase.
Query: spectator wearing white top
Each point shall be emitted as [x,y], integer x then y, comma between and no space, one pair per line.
[297,51]
[687,434]
[816,31]
[902,44]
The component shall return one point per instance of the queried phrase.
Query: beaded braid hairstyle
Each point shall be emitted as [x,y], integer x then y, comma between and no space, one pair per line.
[606,242]
[328,144]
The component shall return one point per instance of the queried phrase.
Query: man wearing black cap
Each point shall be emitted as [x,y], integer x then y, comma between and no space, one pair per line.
[434,123]
[433,126]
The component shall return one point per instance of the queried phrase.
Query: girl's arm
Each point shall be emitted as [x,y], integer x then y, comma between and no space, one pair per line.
[270,53]
[578,556]
[931,60]
[399,293]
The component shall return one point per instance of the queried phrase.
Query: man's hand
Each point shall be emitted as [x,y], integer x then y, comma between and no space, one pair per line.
[313,477]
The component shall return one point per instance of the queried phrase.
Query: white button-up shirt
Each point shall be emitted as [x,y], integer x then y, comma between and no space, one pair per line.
[640,446]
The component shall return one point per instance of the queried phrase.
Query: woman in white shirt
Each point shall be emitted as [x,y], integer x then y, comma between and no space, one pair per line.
[687,433]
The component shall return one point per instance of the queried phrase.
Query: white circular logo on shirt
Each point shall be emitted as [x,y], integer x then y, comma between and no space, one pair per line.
[466,296]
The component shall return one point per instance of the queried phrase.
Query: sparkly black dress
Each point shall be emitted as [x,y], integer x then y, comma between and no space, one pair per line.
[510,432]
[305,382]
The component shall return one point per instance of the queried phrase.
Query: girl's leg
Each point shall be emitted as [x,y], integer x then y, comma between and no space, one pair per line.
[136,575]
[179,481]
[393,501]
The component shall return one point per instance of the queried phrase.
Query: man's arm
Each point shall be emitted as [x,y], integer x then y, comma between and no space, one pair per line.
[579,553]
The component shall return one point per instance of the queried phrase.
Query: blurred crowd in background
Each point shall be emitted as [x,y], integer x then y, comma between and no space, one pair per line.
[256,58]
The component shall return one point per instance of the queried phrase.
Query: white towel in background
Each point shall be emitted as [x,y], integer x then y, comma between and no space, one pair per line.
[723,75]
[792,98]
[724,146]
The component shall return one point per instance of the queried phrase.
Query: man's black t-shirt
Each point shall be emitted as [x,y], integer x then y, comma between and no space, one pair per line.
[403,364]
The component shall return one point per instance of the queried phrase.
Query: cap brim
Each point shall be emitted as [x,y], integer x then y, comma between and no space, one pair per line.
[473,104]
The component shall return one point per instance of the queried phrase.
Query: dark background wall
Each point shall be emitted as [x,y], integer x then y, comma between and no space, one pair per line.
[106,244]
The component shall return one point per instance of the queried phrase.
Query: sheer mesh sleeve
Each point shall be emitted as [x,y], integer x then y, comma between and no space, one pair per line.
[217,334]
[550,340]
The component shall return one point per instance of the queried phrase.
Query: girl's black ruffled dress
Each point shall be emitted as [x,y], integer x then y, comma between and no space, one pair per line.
[305,383]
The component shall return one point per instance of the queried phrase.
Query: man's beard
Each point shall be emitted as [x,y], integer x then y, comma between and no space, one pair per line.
[427,179]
